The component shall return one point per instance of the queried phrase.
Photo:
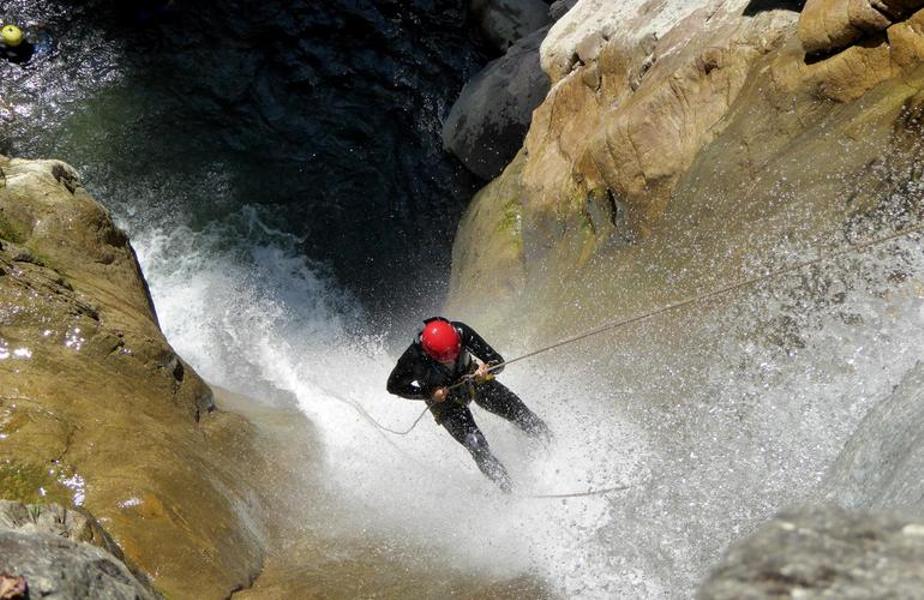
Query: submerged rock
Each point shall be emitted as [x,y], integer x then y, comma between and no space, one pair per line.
[823,552]
[882,465]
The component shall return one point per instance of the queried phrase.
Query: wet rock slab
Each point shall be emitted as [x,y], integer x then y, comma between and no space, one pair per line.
[98,411]
[824,552]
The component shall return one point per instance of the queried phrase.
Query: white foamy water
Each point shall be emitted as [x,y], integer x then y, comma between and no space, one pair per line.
[712,435]
[254,317]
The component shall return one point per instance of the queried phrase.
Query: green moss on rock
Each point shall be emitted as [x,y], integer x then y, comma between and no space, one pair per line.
[31,483]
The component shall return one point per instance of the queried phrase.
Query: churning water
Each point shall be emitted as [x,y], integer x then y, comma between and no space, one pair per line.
[739,416]
[253,316]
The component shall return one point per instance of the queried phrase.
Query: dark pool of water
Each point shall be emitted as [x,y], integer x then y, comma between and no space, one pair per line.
[325,114]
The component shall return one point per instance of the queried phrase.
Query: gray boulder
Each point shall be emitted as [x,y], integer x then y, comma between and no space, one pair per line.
[559,8]
[47,545]
[503,22]
[823,552]
[486,125]
[882,464]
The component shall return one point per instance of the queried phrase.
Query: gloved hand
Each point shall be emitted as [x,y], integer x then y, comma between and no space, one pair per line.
[439,395]
[482,374]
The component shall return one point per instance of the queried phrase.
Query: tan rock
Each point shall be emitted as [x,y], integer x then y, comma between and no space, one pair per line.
[906,42]
[686,133]
[826,26]
[97,410]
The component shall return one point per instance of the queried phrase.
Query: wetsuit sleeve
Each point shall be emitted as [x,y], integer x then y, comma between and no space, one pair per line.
[475,344]
[401,381]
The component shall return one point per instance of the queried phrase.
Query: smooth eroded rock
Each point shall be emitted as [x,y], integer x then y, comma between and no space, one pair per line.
[640,137]
[826,26]
[98,411]
[486,125]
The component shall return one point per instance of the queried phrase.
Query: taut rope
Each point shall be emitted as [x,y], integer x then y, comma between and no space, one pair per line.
[686,302]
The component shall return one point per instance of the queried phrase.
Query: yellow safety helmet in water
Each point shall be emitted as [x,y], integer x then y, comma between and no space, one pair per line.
[11,35]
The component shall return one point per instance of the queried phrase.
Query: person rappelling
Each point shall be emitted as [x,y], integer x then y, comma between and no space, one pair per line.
[448,365]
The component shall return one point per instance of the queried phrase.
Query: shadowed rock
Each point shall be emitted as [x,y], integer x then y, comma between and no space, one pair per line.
[59,569]
[503,22]
[486,125]
[98,411]
[827,26]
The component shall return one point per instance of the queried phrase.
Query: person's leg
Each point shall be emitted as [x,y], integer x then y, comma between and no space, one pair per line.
[460,424]
[495,397]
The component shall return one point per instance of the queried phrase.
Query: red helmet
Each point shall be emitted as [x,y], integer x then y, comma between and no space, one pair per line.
[440,340]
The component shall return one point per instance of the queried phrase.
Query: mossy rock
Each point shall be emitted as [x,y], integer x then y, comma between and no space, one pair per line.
[31,484]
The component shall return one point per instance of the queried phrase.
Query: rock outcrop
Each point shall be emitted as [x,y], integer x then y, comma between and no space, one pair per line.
[660,120]
[824,552]
[97,411]
[682,147]
[63,554]
[76,525]
[487,123]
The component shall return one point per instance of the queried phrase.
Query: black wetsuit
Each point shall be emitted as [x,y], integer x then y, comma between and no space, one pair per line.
[416,376]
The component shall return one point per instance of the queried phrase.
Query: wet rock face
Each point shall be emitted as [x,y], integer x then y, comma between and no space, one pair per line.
[97,411]
[823,552]
[657,117]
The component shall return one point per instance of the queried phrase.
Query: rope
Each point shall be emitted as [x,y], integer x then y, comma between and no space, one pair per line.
[599,492]
[709,295]
[855,248]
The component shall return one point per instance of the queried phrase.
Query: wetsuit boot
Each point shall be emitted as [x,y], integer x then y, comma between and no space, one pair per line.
[477,445]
